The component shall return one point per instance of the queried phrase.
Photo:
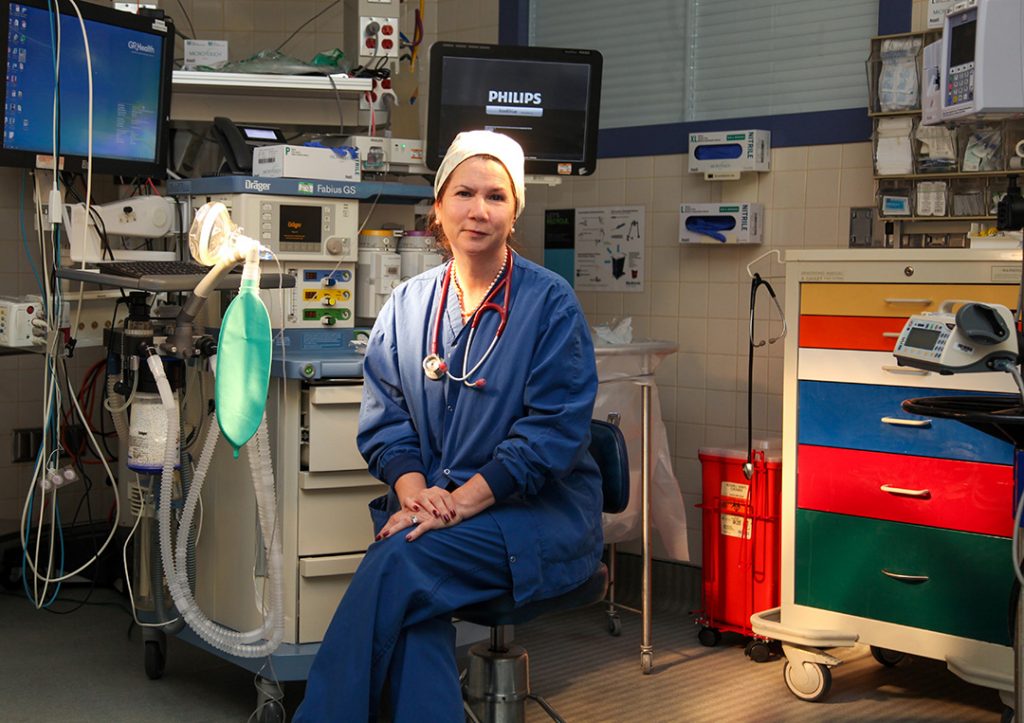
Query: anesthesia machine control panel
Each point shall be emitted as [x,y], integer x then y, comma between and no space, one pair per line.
[976,338]
[316,240]
[312,228]
[295,228]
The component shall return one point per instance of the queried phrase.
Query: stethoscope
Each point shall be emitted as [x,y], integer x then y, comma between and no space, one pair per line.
[433,365]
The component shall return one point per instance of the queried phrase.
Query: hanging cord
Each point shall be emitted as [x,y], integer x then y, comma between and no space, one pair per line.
[755,283]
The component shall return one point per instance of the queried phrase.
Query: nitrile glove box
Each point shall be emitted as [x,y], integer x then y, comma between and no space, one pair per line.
[721,223]
[730,151]
[322,164]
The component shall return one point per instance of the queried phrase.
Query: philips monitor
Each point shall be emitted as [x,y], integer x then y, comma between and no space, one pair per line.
[131,74]
[547,99]
[982,64]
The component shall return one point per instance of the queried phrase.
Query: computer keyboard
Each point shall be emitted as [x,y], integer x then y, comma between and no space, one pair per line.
[138,269]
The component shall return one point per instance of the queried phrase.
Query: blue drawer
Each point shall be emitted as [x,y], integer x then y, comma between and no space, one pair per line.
[833,414]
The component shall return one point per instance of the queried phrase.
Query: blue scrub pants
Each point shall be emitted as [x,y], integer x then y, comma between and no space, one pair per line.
[394,623]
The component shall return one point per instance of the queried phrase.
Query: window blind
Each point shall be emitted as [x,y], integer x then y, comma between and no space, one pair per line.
[772,58]
[672,61]
[644,48]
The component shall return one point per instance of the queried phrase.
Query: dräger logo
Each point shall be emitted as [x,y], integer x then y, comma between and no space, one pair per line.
[513,96]
[258,186]
[141,47]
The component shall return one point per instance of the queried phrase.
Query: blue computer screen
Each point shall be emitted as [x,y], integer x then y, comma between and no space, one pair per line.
[126,72]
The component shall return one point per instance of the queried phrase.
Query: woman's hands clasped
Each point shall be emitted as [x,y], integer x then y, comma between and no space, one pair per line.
[429,509]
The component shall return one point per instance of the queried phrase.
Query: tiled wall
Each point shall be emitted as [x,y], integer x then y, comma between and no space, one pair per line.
[696,297]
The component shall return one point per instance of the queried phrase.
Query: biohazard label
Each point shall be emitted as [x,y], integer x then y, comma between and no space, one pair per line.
[735,490]
[732,526]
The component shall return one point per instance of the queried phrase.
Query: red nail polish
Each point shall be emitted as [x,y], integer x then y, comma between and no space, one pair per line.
[384,534]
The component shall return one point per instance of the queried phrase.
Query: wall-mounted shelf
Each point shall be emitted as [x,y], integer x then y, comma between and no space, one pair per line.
[194,81]
[937,218]
[893,113]
[957,174]
[310,100]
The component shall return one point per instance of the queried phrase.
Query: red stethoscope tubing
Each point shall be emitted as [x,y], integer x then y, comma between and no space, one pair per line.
[487,305]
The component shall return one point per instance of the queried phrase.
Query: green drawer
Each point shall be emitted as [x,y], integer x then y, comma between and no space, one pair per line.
[840,559]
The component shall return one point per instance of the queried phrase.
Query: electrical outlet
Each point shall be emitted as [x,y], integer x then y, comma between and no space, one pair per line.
[25,444]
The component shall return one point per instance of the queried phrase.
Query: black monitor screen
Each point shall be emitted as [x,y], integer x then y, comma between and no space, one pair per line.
[919,338]
[547,99]
[961,43]
[131,67]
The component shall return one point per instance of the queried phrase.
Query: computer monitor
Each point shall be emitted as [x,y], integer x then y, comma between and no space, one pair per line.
[547,99]
[131,72]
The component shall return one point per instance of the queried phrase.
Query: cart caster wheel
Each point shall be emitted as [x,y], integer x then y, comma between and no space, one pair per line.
[813,685]
[614,625]
[758,650]
[1007,715]
[886,657]
[709,637]
[646,662]
[155,660]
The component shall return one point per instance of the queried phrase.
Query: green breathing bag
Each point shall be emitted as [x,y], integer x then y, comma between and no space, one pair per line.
[243,366]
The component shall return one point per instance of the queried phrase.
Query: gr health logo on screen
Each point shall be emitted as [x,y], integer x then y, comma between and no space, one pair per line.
[142,48]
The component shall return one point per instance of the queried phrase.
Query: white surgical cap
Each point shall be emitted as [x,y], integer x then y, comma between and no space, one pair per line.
[485,143]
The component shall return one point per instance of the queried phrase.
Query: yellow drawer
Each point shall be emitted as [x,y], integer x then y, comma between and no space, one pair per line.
[899,300]
[322,583]
[332,512]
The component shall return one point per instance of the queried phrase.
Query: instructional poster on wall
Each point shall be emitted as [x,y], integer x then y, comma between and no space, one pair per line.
[610,249]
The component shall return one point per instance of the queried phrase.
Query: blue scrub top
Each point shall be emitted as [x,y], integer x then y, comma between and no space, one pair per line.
[526,431]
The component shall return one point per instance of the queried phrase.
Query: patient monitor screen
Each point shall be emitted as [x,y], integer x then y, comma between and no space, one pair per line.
[922,338]
[961,44]
[299,225]
[541,105]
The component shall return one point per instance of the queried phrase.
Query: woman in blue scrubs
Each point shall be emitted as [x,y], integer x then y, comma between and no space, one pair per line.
[479,385]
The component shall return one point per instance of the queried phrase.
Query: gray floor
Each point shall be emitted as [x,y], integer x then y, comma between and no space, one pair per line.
[85,667]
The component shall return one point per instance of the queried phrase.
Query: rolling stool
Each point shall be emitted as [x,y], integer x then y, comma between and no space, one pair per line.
[496,683]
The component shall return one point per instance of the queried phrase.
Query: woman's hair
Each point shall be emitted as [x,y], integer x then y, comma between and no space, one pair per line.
[434,226]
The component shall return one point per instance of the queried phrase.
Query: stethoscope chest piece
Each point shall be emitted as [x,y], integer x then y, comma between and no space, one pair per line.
[434,367]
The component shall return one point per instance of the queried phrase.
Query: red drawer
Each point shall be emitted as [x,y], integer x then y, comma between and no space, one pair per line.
[863,333]
[951,494]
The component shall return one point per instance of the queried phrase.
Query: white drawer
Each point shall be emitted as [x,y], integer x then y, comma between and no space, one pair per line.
[879,367]
[333,516]
[332,418]
[322,583]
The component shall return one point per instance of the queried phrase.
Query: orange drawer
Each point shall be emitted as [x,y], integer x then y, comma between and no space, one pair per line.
[860,333]
[951,494]
[900,300]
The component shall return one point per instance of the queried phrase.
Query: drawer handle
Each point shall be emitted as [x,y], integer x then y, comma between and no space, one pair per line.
[904,491]
[899,422]
[893,369]
[913,579]
[908,301]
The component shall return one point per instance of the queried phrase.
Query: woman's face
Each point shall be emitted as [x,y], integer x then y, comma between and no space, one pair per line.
[477,207]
